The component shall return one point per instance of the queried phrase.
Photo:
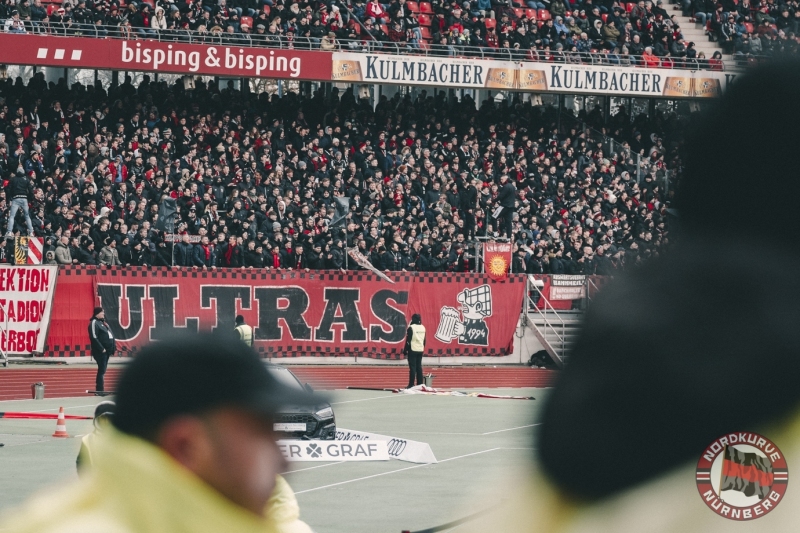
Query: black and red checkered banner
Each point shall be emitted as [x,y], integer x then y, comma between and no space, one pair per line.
[294,314]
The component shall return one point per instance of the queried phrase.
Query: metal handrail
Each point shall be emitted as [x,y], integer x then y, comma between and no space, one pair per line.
[561,338]
[369,45]
[589,285]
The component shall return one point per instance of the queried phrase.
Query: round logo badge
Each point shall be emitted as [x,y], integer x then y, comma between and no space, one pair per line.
[742,476]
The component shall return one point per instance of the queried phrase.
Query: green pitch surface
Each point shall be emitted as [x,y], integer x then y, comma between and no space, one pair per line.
[479,443]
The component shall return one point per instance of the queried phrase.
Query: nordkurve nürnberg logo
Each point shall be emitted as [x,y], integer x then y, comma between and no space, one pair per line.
[742,476]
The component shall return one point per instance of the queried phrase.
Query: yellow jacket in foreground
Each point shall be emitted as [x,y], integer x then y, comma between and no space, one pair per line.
[134,487]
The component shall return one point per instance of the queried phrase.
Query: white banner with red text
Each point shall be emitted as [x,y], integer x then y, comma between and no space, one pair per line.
[26,298]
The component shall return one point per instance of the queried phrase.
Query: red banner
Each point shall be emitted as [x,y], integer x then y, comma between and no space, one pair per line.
[293,313]
[497,259]
[155,56]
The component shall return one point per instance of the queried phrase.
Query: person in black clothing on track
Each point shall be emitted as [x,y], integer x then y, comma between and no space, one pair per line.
[103,344]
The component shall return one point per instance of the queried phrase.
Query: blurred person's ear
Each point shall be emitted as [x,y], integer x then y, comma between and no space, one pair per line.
[186,440]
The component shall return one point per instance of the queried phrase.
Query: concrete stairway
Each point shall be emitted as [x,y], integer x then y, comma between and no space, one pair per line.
[557,331]
[696,33]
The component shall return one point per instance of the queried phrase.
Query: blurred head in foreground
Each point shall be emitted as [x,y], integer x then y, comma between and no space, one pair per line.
[209,403]
[696,343]
[190,447]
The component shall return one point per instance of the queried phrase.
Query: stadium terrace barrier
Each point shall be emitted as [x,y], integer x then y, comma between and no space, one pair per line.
[317,313]
[358,67]
[366,44]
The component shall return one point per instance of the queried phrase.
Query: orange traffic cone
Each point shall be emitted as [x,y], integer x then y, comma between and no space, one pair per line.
[61,424]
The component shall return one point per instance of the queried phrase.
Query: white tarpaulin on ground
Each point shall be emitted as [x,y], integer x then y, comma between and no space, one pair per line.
[424,389]
[331,450]
[403,449]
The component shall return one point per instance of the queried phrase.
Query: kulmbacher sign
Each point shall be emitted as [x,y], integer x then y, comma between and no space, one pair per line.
[527,76]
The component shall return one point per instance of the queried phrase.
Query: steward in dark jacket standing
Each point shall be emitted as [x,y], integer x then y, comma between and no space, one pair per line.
[103,344]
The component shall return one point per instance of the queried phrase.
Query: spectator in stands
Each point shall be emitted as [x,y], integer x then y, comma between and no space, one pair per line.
[715,63]
[19,190]
[184,252]
[24,9]
[328,42]
[610,35]
[159,21]
[15,23]
[62,252]
[376,11]
[38,12]
[649,59]
[109,256]
[506,201]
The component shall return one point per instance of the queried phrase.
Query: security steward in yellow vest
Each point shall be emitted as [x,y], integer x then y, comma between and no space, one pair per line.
[244,331]
[415,347]
[103,412]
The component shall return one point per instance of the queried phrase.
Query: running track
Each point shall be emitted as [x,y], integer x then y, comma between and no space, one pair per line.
[60,382]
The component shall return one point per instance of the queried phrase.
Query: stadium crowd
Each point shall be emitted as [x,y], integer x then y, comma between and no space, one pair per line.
[607,32]
[263,181]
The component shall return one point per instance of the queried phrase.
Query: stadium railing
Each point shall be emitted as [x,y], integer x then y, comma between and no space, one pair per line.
[365,45]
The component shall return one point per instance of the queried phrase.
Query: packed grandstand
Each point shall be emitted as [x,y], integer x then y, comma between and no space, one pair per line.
[613,33]
[258,179]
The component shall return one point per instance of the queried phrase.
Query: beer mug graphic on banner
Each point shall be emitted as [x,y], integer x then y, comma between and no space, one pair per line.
[449,320]
[706,88]
[678,86]
[346,70]
[501,78]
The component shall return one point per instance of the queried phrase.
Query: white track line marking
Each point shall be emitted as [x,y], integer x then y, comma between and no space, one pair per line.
[436,433]
[511,429]
[394,471]
[368,399]
[470,434]
[312,468]
[52,439]
[57,408]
